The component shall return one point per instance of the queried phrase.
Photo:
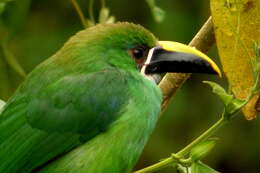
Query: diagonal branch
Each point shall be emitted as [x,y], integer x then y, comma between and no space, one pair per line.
[170,83]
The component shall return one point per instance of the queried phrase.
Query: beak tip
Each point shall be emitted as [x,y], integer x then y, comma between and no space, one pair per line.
[217,70]
[219,74]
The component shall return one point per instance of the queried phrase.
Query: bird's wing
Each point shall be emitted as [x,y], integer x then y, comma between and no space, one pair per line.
[36,129]
[79,103]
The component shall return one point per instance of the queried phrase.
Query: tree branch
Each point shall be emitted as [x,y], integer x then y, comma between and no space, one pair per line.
[171,82]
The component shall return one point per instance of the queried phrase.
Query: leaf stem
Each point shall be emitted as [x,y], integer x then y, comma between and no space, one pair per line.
[182,153]
[103,3]
[91,13]
[202,137]
[11,60]
[80,13]
[157,166]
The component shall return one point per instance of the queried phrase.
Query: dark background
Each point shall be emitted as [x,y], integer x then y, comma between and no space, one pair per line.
[38,29]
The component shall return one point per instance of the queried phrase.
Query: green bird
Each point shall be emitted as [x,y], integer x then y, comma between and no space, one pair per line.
[92,106]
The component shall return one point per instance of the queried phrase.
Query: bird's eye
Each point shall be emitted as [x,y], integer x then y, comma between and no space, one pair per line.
[138,53]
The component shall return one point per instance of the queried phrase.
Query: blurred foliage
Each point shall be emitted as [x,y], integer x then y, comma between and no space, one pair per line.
[40,29]
[201,168]
[157,12]
[202,149]
[11,72]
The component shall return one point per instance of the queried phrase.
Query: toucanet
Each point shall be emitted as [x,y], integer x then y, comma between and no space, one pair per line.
[91,107]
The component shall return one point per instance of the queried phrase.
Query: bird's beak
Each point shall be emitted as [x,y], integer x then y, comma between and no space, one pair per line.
[179,58]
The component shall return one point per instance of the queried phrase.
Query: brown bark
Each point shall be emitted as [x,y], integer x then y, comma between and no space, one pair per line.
[170,83]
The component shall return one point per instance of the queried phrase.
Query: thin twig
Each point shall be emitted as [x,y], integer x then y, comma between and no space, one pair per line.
[171,161]
[91,12]
[80,13]
[103,3]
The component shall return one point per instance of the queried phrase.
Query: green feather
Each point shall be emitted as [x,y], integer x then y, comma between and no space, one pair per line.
[118,149]
[88,100]
[68,106]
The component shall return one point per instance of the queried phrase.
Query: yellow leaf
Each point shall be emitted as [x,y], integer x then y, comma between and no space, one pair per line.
[237,27]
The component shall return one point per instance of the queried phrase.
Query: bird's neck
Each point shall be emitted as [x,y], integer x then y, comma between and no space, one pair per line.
[126,138]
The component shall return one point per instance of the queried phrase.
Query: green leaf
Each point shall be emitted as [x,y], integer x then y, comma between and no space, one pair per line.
[220,91]
[104,16]
[158,13]
[202,149]
[182,169]
[2,103]
[111,19]
[235,105]
[231,103]
[2,7]
[199,167]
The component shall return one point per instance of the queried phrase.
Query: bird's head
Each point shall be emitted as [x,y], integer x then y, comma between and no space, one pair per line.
[131,47]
